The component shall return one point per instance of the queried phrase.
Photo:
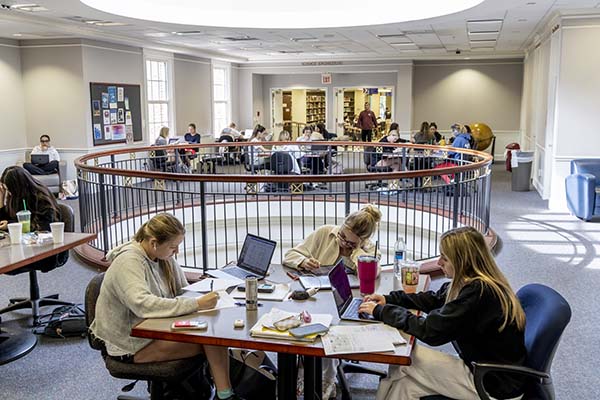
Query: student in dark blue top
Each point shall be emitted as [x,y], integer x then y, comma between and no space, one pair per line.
[477,311]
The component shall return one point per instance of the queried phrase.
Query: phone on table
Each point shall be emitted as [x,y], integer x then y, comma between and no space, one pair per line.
[307,330]
[189,325]
[262,288]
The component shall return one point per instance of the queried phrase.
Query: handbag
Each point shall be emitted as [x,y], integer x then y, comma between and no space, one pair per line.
[253,374]
[69,189]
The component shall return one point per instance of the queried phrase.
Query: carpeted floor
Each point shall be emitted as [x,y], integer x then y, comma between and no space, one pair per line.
[536,246]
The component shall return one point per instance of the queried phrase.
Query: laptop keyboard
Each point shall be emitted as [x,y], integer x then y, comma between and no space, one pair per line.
[238,272]
[352,310]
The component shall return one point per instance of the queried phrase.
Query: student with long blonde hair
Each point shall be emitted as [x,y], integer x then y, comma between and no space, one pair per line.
[145,281]
[477,311]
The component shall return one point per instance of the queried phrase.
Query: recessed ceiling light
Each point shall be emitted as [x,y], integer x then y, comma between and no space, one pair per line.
[110,23]
[403,44]
[391,35]
[483,33]
[273,14]
[530,3]
[17,34]
[483,41]
[28,7]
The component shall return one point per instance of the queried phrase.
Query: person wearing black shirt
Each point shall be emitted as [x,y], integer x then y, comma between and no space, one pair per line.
[477,311]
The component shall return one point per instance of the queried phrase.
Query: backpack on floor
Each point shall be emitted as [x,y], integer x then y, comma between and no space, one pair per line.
[63,322]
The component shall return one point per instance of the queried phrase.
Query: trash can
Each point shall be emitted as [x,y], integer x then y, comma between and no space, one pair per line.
[521,172]
[508,154]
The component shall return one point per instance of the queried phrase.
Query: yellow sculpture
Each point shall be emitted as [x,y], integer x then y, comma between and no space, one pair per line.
[483,135]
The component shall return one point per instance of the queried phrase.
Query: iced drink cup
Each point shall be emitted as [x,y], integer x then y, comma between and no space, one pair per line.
[367,273]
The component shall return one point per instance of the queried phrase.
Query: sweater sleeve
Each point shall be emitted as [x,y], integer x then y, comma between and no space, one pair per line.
[422,301]
[295,256]
[441,325]
[133,290]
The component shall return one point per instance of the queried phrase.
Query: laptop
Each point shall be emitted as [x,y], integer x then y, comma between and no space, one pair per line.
[40,159]
[320,277]
[174,140]
[347,306]
[254,260]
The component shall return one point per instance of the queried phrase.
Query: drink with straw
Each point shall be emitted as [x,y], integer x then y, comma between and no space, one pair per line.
[24,217]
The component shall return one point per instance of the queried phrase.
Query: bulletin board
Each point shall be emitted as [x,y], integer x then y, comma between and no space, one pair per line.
[116,113]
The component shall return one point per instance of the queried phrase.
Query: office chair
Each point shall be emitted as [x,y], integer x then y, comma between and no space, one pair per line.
[35,301]
[353,367]
[371,157]
[281,163]
[157,374]
[547,314]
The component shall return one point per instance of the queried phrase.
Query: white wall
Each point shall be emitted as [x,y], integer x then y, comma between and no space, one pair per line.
[12,105]
[193,100]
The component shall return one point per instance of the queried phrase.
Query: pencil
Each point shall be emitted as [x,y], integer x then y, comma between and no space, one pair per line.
[211,284]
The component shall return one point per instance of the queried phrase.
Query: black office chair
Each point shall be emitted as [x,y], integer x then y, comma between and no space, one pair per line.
[248,162]
[34,301]
[353,367]
[281,163]
[371,157]
[162,377]
[547,314]
[159,161]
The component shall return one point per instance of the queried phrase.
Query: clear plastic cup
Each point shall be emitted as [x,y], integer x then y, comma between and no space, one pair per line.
[58,232]
[15,231]
[410,276]
[24,217]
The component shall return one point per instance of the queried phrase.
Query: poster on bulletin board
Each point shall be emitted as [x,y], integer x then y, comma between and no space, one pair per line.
[116,113]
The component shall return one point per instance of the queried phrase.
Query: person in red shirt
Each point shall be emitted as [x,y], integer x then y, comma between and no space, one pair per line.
[366,122]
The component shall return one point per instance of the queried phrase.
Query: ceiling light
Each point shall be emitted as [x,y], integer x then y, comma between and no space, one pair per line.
[483,33]
[17,34]
[273,14]
[391,35]
[28,7]
[483,41]
[187,33]
[304,39]
[403,44]
[110,23]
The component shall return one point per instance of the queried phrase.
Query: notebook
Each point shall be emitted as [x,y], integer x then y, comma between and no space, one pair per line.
[254,259]
[319,278]
[40,159]
[347,306]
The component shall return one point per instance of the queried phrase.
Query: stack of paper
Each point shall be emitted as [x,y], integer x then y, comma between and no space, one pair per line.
[347,339]
[212,284]
[264,327]
[225,301]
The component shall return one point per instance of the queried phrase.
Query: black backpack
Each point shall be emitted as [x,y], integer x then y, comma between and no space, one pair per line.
[63,321]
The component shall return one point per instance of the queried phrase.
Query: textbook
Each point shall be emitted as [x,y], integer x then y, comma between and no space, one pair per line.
[264,327]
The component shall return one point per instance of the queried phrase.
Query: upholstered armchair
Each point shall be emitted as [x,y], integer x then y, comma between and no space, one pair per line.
[583,188]
[52,181]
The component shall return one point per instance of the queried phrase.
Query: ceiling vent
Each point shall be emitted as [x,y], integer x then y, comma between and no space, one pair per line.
[391,35]
[187,33]
[244,38]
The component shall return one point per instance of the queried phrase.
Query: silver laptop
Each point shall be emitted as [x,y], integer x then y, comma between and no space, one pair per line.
[347,306]
[254,260]
[40,159]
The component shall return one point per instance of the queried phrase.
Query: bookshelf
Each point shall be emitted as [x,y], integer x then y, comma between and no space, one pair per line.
[315,107]
[349,106]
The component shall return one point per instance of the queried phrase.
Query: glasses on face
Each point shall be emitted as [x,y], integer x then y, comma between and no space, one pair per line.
[44,141]
[342,237]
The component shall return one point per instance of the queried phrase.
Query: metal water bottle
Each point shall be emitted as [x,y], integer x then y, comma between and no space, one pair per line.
[251,293]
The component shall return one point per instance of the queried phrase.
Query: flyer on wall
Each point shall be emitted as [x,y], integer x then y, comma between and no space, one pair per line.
[97,131]
[118,132]
[112,96]
[96,107]
[120,93]
[113,116]
[104,100]
[121,116]
[107,133]
[128,118]
[126,103]
[129,134]
[106,115]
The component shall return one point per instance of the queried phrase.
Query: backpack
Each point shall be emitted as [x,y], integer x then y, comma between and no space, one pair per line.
[63,322]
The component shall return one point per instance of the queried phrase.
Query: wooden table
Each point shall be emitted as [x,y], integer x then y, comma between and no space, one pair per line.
[14,345]
[221,332]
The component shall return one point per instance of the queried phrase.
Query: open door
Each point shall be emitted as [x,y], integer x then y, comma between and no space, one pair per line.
[276,110]
[339,111]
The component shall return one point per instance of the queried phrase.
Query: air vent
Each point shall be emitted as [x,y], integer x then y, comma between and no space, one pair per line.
[244,38]
[431,47]
[290,51]
[391,35]
[419,32]
[187,33]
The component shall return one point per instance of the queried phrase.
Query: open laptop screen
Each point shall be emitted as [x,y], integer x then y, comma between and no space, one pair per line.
[340,286]
[256,254]
[173,140]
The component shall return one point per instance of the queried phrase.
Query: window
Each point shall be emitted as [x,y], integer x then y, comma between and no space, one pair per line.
[157,91]
[221,98]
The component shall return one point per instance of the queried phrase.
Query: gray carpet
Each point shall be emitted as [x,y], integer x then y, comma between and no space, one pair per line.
[536,246]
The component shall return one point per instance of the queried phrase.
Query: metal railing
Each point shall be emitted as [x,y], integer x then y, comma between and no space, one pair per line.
[220,193]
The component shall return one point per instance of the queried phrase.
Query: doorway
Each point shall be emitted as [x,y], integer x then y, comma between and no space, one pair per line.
[294,108]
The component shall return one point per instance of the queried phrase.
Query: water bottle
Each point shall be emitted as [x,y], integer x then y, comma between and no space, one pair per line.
[251,293]
[399,256]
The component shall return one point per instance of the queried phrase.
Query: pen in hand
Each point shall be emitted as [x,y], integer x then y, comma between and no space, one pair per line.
[211,284]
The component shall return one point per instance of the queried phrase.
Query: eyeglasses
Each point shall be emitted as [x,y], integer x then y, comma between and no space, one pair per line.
[345,241]
[44,141]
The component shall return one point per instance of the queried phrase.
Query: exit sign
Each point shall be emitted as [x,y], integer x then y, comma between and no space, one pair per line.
[326,79]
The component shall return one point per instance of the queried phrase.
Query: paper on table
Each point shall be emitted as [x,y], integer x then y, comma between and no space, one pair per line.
[225,301]
[281,290]
[264,326]
[217,284]
[359,339]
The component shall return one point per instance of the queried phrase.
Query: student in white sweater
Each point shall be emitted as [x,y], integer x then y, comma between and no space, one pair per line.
[143,281]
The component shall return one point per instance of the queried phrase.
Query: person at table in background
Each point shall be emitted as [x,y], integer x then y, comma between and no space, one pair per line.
[325,246]
[163,136]
[231,131]
[424,136]
[392,137]
[387,114]
[17,186]
[455,129]
[145,281]
[53,158]
[462,140]
[292,149]
[191,135]
[367,121]
[320,127]
[257,152]
[433,129]
[477,311]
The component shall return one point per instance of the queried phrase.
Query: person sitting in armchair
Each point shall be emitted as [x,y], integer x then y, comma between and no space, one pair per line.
[48,168]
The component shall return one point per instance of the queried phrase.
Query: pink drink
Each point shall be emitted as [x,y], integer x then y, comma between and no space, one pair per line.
[367,273]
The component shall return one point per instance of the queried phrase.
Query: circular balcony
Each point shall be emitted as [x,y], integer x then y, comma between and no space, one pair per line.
[283,192]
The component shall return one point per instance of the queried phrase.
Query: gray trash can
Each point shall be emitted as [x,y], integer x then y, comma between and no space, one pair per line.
[521,175]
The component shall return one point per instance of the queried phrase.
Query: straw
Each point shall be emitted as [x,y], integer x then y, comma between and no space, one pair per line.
[24,205]
[376,248]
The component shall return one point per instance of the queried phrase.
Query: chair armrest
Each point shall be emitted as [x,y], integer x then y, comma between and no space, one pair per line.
[581,194]
[481,369]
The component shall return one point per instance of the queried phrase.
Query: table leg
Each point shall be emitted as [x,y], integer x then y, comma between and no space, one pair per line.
[286,376]
[313,377]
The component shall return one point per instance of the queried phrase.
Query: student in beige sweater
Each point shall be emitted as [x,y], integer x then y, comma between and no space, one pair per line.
[143,281]
[324,246]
